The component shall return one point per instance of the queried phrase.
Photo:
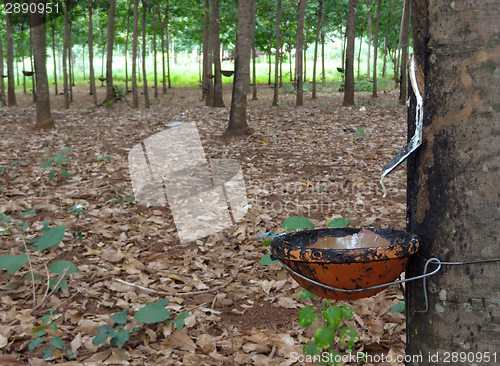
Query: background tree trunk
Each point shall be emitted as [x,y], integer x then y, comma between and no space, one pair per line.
[404,52]
[349,65]
[254,51]
[215,42]
[2,84]
[210,73]
[126,47]
[323,58]
[11,88]
[91,55]
[206,70]
[375,52]
[386,38]
[369,39]
[110,89]
[277,56]
[298,53]
[360,48]
[70,62]
[135,92]
[22,58]
[154,52]
[238,114]
[54,58]
[166,25]
[65,54]
[144,74]
[162,30]
[44,117]
[32,67]
[453,189]
[318,28]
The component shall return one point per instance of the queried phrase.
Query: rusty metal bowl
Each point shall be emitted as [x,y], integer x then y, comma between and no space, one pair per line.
[347,259]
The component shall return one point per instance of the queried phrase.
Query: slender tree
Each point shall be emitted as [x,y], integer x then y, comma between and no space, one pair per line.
[22,58]
[214,27]
[2,84]
[404,51]
[54,58]
[110,89]
[144,12]
[135,94]
[277,58]
[65,54]
[360,48]
[369,39]
[375,52]
[154,52]
[349,65]
[11,88]
[254,52]
[323,57]
[318,30]
[126,46]
[386,38]
[205,80]
[162,30]
[238,113]
[44,119]
[70,61]
[298,53]
[91,53]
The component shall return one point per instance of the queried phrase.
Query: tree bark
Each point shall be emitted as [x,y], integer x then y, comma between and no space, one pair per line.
[349,66]
[404,52]
[32,67]
[320,24]
[2,84]
[298,53]
[238,114]
[375,52]
[70,62]
[166,24]
[11,87]
[277,56]
[215,42]
[162,30]
[22,58]
[209,100]
[254,51]
[154,52]
[453,185]
[323,58]
[360,48]
[386,38]
[91,55]
[369,39]
[65,54]
[135,93]
[110,89]
[206,70]
[126,46]
[44,117]
[144,74]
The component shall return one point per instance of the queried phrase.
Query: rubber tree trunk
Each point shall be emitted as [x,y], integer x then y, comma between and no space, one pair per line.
[375,52]
[360,48]
[126,46]
[254,52]
[135,92]
[277,56]
[91,55]
[154,52]
[11,87]
[54,58]
[70,63]
[323,75]
[22,59]
[369,39]
[318,28]
[404,52]
[2,84]
[110,89]
[65,54]
[453,191]
[386,38]
[32,67]
[215,42]
[210,76]
[298,53]
[349,65]
[44,117]
[144,74]
[162,30]
[238,113]
[206,70]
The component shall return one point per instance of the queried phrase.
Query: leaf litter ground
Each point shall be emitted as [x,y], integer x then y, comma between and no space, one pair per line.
[321,161]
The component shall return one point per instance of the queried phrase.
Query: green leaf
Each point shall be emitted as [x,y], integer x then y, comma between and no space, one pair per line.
[52,310]
[307,295]
[152,313]
[12,263]
[52,174]
[324,336]
[297,222]
[312,348]
[398,308]
[348,312]
[335,355]
[120,337]
[266,243]
[338,223]
[35,342]
[348,334]
[63,285]
[51,238]
[120,318]
[35,277]
[333,315]
[99,339]
[179,322]
[60,266]
[162,302]
[320,189]
[307,316]
[57,342]
[48,353]
[266,260]
[48,164]
[65,174]
[60,159]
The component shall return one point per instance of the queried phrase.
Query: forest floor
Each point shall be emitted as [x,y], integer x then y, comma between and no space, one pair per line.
[320,161]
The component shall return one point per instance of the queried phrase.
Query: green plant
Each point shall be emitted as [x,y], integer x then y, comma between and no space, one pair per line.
[120,93]
[56,162]
[78,209]
[119,334]
[121,198]
[105,158]
[40,335]
[324,336]
[361,132]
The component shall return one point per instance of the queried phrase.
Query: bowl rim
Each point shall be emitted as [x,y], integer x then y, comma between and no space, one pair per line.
[402,245]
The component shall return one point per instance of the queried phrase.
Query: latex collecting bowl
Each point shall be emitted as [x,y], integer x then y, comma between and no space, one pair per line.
[348,259]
